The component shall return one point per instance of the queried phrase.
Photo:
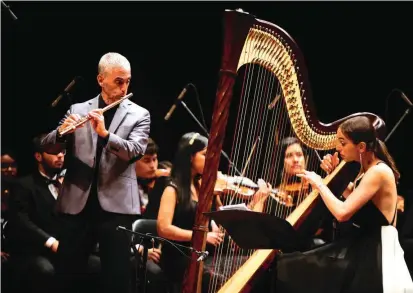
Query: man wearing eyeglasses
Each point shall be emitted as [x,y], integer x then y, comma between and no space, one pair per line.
[33,228]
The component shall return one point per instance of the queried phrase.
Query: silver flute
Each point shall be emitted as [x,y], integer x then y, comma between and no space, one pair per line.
[85,119]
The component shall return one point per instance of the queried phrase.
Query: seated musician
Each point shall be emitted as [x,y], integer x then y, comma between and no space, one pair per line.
[33,229]
[178,207]
[9,171]
[370,259]
[149,176]
[289,188]
[151,180]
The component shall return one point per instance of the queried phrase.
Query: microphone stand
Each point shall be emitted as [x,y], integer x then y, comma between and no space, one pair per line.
[8,8]
[145,258]
[398,123]
[150,237]
[140,284]
[231,164]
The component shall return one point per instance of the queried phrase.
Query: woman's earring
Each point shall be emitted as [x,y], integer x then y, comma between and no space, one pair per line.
[361,162]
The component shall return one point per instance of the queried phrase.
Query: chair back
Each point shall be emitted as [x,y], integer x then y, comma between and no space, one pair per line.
[144,226]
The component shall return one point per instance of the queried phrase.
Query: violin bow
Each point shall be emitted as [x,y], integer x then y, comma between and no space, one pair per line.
[245,168]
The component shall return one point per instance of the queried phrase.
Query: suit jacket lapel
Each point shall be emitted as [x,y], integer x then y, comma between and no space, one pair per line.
[43,189]
[119,116]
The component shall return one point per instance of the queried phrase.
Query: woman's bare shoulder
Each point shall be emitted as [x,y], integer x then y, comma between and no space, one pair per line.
[382,171]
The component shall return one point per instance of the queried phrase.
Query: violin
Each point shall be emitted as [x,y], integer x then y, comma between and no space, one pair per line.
[287,192]
[245,188]
[241,186]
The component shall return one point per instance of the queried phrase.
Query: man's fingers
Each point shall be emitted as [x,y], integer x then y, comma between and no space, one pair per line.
[97,111]
[96,116]
[70,120]
[74,117]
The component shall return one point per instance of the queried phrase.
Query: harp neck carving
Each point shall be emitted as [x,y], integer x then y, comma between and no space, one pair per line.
[265,47]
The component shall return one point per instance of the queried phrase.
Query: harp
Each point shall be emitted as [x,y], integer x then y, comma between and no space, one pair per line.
[264,68]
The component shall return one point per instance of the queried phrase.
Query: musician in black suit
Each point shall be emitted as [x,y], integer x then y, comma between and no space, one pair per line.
[33,228]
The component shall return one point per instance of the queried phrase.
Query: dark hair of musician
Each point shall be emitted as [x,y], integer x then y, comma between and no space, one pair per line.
[151,148]
[360,129]
[37,143]
[10,152]
[282,148]
[188,146]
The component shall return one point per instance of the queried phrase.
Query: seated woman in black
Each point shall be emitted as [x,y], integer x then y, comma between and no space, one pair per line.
[178,206]
[370,259]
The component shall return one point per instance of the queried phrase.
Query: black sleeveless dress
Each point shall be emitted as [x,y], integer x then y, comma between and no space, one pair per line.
[351,264]
[174,262]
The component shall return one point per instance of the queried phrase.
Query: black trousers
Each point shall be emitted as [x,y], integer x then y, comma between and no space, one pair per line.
[81,234]
[30,273]
[37,274]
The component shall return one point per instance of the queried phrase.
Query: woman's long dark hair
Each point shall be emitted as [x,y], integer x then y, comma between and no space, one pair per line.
[282,148]
[189,144]
[360,129]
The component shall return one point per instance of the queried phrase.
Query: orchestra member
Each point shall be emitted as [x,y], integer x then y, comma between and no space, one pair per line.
[151,181]
[178,206]
[100,191]
[149,176]
[288,187]
[33,230]
[371,259]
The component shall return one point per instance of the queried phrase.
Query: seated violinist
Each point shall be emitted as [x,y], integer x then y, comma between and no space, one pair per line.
[178,207]
[289,189]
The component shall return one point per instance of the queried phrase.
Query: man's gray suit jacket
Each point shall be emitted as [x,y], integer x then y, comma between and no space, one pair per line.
[117,187]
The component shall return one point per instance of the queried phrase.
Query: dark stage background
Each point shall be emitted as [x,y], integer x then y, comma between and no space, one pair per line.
[355,53]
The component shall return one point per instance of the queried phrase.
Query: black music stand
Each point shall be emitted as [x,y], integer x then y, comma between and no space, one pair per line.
[254,230]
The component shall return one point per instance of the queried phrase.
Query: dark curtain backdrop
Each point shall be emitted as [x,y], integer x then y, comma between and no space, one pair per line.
[355,54]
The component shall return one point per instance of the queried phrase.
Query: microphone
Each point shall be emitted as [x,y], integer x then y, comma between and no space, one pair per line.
[203,256]
[181,95]
[65,91]
[406,99]
[8,8]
